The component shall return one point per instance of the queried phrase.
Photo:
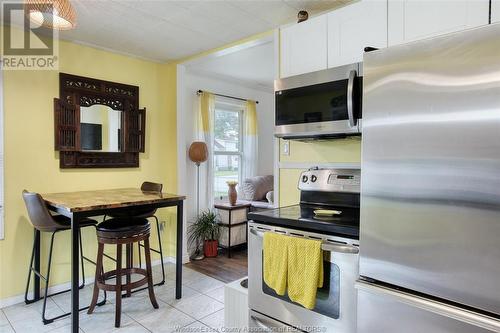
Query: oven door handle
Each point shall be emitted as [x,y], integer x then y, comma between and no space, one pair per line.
[261,325]
[275,326]
[325,246]
[350,98]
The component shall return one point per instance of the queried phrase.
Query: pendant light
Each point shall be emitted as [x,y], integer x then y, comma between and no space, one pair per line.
[53,14]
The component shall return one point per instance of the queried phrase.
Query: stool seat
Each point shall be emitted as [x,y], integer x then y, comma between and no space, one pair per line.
[122,227]
[136,212]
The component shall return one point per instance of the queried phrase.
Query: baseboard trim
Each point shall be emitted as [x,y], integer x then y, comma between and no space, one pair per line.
[13,300]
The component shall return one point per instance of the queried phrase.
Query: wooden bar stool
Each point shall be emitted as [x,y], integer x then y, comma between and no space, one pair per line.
[146,213]
[122,231]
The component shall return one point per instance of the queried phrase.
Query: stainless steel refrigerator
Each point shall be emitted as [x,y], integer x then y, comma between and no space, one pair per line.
[430,192]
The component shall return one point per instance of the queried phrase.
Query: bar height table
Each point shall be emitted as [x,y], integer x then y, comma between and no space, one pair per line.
[77,205]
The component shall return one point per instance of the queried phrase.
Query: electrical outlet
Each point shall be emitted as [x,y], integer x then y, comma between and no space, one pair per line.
[162,225]
[286,147]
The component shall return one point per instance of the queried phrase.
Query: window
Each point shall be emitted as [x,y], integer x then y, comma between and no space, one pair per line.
[228,146]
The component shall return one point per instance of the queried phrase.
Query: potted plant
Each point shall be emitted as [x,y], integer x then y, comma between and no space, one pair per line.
[205,229]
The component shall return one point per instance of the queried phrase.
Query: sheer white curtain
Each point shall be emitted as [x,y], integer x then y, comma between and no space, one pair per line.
[205,108]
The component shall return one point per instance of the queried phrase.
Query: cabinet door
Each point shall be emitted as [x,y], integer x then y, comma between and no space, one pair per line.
[411,20]
[304,47]
[495,11]
[352,28]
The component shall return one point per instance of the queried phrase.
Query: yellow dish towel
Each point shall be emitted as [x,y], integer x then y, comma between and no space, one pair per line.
[275,261]
[295,265]
[305,270]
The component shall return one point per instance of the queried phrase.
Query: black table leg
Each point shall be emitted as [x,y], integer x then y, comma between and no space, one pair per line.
[74,274]
[36,282]
[178,259]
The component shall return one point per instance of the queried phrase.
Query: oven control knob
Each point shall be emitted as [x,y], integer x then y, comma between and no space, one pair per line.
[313,178]
[304,178]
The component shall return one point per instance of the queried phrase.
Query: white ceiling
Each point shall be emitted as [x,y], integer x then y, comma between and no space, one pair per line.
[165,30]
[252,66]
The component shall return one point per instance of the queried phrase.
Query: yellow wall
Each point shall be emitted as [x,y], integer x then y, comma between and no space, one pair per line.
[31,162]
[314,152]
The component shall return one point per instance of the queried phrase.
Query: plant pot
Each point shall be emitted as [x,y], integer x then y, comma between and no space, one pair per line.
[210,248]
[232,194]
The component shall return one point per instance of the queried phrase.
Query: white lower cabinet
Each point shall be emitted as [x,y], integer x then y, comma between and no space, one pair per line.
[354,27]
[410,20]
[235,307]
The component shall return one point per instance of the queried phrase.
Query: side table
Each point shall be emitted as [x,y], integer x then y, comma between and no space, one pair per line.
[232,217]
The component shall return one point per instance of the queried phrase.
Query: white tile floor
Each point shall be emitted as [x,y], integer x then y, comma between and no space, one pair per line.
[201,309]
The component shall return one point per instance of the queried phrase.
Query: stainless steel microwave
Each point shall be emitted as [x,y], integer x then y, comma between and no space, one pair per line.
[320,104]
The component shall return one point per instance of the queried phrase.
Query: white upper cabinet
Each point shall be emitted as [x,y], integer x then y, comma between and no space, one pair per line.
[353,27]
[495,11]
[304,47]
[410,20]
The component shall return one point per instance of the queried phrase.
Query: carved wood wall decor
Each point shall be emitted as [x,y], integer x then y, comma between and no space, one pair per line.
[76,91]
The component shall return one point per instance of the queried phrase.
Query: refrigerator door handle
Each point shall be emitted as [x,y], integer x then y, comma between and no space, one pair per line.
[439,308]
[350,98]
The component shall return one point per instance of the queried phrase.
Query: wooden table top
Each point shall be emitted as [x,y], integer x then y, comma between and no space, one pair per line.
[104,199]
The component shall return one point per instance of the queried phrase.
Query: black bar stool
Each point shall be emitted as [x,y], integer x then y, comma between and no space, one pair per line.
[146,213]
[122,231]
[43,221]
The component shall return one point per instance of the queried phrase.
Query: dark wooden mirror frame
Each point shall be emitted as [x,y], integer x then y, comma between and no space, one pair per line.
[76,91]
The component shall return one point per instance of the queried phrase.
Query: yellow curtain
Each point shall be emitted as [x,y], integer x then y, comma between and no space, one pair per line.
[207,105]
[251,118]
[250,139]
[205,128]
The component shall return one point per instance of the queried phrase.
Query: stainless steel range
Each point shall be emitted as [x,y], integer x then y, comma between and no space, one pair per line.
[338,192]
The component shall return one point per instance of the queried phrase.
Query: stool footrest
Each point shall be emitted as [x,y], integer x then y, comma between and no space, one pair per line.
[112,287]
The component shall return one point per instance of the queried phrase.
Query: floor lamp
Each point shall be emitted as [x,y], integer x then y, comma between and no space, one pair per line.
[198,153]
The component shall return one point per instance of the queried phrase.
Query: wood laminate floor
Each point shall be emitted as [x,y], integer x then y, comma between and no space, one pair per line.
[223,268]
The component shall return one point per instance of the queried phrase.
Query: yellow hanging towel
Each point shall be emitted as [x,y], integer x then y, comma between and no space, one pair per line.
[295,265]
[305,270]
[275,261]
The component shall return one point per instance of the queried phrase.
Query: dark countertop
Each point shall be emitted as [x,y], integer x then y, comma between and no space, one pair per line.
[302,217]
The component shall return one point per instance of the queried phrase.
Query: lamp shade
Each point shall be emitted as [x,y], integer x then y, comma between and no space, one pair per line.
[198,152]
[53,14]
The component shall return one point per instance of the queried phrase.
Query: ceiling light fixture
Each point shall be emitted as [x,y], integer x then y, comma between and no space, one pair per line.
[53,14]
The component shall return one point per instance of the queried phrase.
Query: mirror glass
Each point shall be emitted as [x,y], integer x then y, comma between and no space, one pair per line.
[100,128]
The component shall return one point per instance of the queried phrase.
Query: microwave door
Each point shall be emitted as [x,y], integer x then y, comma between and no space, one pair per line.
[315,103]
[322,109]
